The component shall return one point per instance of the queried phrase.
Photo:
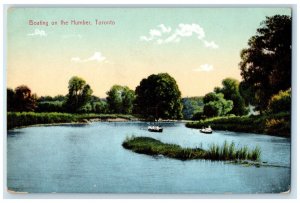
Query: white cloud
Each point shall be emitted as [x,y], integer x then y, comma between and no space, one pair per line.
[204,68]
[164,29]
[97,56]
[155,33]
[187,30]
[164,34]
[38,32]
[211,44]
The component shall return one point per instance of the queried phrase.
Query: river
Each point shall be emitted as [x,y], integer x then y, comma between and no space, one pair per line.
[90,159]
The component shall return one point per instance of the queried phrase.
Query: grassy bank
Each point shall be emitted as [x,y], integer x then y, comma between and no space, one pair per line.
[276,124]
[17,119]
[150,146]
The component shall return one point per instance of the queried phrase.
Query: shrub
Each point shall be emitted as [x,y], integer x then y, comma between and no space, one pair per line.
[17,119]
[273,124]
[280,102]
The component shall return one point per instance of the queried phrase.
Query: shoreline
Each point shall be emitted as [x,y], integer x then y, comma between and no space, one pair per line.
[83,122]
[92,120]
[275,125]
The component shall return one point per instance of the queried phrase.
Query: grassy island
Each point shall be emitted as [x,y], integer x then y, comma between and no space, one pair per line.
[150,146]
[274,124]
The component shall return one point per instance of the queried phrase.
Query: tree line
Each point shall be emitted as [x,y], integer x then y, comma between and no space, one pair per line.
[157,96]
[266,85]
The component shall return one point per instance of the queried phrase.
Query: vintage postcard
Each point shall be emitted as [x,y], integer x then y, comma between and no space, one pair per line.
[149,100]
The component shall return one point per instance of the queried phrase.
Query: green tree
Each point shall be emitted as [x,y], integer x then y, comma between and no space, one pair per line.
[281,102]
[21,99]
[230,90]
[158,96]
[100,107]
[120,99]
[10,99]
[192,106]
[50,106]
[266,64]
[216,105]
[212,109]
[79,94]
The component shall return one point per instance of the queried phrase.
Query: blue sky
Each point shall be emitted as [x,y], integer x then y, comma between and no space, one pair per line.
[197,46]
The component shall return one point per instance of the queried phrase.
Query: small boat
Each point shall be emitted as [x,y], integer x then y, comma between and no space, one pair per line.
[155,128]
[206,130]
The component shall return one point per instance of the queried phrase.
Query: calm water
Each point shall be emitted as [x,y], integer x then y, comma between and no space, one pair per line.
[90,158]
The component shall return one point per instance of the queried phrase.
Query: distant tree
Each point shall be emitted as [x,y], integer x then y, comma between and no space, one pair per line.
[100,107]
[79,94]
[192,106]
[95,99]
[230,90]
[281,102]
[10,99]
[266,63]
[50,106]
[198,116]
[212,109]
[59,98]
[158,96]
[212,96]
[216,105]
[23,99]
[120,99]
[85,97]
[50,99]
[87,108]
[45,98]
[128,100]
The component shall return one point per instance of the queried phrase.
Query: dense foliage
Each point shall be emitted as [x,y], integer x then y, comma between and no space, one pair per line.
[281,102]
[21,99]
[192,106]
[59,98]
[216,105]
[17,119]
[79,94]
[100,107]
[230,90]
[120,99]
[158,96]
[266,64]
[273,124]
[50,106]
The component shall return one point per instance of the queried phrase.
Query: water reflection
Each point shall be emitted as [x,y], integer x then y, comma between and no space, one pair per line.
[14,133]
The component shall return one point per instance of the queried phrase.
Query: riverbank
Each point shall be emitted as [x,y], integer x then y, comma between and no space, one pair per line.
[226,152]
[23,119]
[274,124]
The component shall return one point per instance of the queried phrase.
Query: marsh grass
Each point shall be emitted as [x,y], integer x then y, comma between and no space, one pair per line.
[150,146]
[17,119]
